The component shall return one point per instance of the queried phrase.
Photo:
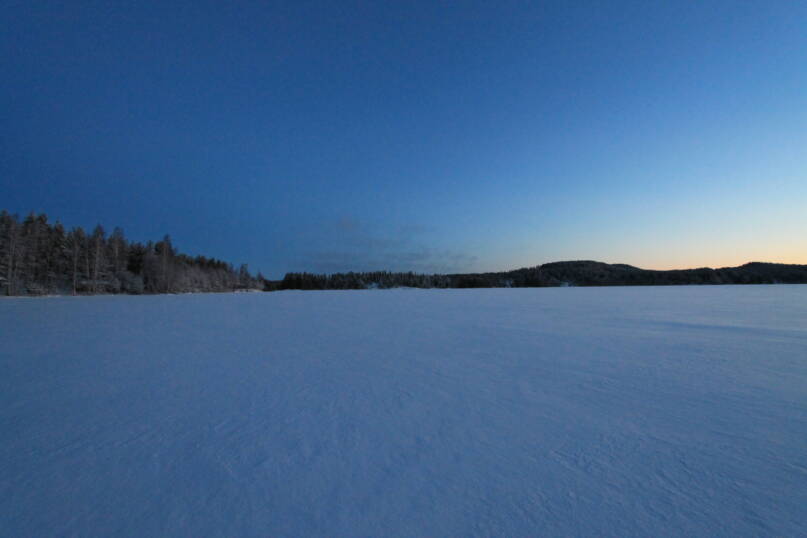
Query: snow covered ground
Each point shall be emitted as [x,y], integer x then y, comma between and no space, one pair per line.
[507,412]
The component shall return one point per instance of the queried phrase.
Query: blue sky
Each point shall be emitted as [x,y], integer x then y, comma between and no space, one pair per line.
[427,136]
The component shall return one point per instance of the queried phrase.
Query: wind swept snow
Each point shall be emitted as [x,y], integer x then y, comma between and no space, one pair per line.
[508,412]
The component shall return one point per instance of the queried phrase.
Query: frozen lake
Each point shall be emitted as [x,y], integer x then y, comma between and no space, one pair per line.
[507,412]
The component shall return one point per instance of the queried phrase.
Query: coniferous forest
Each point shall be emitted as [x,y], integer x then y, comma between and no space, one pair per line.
[39,258]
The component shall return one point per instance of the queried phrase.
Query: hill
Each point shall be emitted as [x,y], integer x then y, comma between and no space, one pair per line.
[565,273]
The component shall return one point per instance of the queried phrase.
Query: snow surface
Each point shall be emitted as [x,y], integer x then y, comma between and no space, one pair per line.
[509,412]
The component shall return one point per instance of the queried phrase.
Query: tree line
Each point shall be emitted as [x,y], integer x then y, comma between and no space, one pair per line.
[568,273]
[37,258]
[520,278]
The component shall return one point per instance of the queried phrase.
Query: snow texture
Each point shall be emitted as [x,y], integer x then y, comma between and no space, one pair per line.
[500,412]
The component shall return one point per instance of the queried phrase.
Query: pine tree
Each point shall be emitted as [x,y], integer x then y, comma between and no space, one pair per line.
[76,240]
[13,253]
[98,258]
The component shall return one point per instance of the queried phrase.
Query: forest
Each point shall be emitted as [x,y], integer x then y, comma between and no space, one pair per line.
[39,258]
[555,274]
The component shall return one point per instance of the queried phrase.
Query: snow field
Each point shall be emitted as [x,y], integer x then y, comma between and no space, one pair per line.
[497,412]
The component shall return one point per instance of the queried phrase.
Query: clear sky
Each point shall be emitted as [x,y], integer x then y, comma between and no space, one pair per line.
[429,136]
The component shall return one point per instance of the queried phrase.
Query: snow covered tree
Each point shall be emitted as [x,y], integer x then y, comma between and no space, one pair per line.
[36,257]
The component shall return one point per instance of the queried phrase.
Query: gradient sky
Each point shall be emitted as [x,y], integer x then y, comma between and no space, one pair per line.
[429,136]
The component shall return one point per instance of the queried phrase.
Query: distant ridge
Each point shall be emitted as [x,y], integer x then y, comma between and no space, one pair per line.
[565,273]
[592,273]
